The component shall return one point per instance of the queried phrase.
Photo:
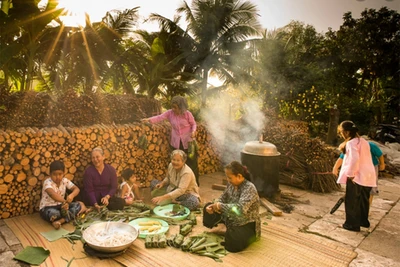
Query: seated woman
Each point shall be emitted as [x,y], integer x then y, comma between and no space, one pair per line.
[238,208]
[100,183]
[129,190]
[54,206]
[179,186]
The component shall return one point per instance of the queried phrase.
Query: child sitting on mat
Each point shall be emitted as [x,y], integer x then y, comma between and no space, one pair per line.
[55,207]
[128,188]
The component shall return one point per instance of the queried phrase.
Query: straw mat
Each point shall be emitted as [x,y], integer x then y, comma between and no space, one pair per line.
[278,246]
[27,229]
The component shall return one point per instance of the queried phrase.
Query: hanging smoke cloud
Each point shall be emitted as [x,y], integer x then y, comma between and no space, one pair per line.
[233,122]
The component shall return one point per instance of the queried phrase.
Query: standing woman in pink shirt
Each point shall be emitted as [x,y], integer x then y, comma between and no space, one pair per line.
[183,129]
[358,173]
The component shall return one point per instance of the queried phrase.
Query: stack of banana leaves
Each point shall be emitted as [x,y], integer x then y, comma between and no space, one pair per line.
[205,244]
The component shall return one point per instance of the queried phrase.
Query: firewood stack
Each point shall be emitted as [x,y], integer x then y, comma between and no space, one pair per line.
[305,162]
[25,156]
[32,109]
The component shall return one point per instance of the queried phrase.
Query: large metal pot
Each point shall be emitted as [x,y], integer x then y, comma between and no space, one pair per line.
[99,234]
[262,161]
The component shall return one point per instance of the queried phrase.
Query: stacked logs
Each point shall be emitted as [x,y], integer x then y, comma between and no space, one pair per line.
[304,162]
[35,109]
[25,156]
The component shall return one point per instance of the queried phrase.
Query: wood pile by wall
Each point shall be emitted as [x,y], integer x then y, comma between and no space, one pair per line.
[33,109]
[25,156]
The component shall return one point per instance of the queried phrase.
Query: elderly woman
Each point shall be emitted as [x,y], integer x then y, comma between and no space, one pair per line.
[179,185]
[99,181]
[183,129]
[238,208]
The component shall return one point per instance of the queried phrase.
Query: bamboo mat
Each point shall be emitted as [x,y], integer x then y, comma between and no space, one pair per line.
[279,246]
[27,229]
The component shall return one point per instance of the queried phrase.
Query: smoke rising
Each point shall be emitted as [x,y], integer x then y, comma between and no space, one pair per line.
[233,121]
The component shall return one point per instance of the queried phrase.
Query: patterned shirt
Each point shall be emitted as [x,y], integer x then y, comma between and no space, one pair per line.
[46,200]
[182,126]
[241,206]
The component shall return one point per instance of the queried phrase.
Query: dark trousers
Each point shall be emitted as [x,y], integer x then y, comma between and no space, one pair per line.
[192,163]
[356,205]
[237,238]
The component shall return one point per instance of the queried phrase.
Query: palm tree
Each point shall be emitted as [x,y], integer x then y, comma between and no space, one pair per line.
[216,32]
[220,29]
[24,24]
[168,68]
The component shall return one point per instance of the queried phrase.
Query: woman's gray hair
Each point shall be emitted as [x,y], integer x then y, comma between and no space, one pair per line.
[179,152]
[181,102]
[99,149]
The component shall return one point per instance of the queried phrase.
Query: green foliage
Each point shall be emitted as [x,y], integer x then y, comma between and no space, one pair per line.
[310,106]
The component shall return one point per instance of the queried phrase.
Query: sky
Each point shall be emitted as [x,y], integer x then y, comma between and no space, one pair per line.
[322,14]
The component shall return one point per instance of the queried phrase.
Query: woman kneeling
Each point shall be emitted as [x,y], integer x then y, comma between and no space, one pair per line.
[238,208]
[179,186]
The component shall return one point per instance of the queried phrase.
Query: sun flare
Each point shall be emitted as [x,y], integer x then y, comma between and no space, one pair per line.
[74,12]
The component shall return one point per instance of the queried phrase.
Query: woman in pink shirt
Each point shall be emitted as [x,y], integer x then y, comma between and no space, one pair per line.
[183,129]
[358,173]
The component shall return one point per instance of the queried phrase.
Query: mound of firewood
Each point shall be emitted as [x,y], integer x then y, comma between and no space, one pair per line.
[305,162]
[25,156]
[32,109]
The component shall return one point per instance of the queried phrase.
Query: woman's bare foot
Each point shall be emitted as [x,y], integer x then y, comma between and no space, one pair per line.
[220,229]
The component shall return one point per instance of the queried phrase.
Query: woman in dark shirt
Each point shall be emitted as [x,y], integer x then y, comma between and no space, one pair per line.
[99,181]
[238,208]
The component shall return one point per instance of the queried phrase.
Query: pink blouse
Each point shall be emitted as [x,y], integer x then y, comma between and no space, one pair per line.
[357,163]
[182,125]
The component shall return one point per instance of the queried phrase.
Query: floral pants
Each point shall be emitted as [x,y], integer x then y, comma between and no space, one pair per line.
[51,212]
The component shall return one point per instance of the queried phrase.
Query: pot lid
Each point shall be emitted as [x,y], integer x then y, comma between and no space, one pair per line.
[260,148]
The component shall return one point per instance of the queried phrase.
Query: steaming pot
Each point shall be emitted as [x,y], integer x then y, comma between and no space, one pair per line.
[262,161]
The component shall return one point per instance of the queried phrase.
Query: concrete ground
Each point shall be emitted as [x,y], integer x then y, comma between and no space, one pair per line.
[377,246]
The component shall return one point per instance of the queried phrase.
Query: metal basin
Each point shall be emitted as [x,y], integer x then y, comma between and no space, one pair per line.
[110,236]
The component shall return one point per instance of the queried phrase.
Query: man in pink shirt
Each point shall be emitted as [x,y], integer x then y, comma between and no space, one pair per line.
[183,128]
[358,173]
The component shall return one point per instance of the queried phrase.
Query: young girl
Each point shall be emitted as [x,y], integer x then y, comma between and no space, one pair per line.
[358,173]
[129,189]
[54,207]
[238,208]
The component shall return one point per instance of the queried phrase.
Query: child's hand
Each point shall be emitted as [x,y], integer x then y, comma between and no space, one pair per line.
[382,167]
[69,199]
[65,206]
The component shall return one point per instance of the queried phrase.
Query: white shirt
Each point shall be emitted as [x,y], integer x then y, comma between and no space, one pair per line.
[129,193]
[46,200]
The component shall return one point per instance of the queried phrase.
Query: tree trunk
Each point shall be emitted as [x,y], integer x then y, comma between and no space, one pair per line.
[204,87]
[333,124]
